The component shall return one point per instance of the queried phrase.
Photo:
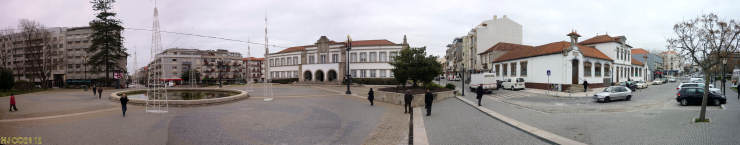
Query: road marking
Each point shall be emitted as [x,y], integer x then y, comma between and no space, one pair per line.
[56,116]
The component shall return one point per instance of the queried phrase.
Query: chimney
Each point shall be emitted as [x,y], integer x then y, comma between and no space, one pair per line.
[574,39]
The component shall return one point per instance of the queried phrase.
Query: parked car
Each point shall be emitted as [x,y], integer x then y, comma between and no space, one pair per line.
[630,85]
[486,79]
[699,85]
[517,84]
[671,79]
[613,93]
[641,84]
[696,80]
[656,82]
[693,95]
[453,78]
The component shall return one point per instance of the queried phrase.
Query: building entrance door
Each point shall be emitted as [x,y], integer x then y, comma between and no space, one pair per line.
[575,71]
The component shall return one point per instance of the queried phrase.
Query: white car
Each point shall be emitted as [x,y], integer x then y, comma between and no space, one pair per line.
[641,84]
[613,93]
[657,82]
[513,85]
[487,80]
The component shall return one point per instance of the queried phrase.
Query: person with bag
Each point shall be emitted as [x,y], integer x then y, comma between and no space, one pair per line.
[124,101]
[12,103]
[479,94]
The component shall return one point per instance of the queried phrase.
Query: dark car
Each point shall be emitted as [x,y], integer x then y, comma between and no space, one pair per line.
[631,85]
[693,95]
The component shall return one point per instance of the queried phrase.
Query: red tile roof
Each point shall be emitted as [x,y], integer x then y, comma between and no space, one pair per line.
[503,46]
[253,59]
[637,62]
[599,39]
[551,48]
[379,42]
[639,51]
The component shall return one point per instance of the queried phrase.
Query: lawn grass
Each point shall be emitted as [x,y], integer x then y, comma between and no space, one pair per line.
[6,93]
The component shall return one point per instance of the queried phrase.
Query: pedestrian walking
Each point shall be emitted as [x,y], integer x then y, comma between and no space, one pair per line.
[124,101]
[371,96]
[479,94]
[585,85]
[100,93]
[12,103]
[95,90]
[428,100]
[407,98]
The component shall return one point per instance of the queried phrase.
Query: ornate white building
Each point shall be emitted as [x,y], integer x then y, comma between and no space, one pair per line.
[324,61]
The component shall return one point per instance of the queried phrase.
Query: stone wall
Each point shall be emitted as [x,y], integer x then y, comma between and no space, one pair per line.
[397,98]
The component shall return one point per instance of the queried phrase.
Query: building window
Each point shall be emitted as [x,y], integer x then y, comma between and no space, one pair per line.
[354,73]
[392,56]
[497,72]
[587,69]
[597,71]
[373,56]
[353,57]
[335,58]
[383,57]
[174,59]
[311,59]
[523,68]
[363,56]
[504,69]
[322,59]
[607,70]
[390,73]
[372,73]
[382,73]
[290,61]
[513,69]
[282,61]
[363,73]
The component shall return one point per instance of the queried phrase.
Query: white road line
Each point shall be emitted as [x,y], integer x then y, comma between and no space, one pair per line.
[57,116]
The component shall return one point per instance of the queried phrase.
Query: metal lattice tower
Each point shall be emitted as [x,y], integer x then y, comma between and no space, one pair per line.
[248,72]
[156,91]
[193,82]
[135,81]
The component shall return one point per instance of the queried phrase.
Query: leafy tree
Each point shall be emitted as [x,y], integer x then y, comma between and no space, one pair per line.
[415,65]
[186,76]
[107,42]
[6,79]
[705,41]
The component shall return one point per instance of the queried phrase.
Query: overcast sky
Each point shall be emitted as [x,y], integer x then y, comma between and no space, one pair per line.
[431,23]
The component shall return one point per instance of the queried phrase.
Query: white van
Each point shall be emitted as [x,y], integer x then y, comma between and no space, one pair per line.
[488,81]
[517,84]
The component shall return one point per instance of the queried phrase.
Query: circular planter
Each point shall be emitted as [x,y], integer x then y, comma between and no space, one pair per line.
[241,95]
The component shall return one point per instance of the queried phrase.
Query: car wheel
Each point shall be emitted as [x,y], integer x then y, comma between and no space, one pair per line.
[606,100]
[684,102]
[629,97]
[716,102]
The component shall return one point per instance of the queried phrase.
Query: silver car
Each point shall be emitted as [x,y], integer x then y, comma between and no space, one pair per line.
[613,93]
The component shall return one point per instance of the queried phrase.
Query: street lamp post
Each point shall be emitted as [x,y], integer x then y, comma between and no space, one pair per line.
[724,62]
[462,88]
[348,76]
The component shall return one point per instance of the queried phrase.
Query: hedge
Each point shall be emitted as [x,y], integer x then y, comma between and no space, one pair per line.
[373,81]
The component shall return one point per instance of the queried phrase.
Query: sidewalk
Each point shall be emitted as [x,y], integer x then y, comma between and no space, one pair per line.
[591,92]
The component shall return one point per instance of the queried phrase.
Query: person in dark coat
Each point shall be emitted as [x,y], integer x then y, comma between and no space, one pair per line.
[95,89]
[124,101]
[12,103]
[479,94]
[428,100]
[371,96]
[585,85]
[407,98]
[100,93]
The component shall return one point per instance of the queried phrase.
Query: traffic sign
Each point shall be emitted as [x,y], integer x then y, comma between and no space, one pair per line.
[548,72]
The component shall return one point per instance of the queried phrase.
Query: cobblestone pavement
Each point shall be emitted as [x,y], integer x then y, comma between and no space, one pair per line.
[665,123]
[325,119]
[454,122]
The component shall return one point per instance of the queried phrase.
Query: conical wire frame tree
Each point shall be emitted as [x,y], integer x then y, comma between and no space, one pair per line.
[156,88]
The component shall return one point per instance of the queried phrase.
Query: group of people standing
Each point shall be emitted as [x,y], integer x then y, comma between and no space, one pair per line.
[407,99]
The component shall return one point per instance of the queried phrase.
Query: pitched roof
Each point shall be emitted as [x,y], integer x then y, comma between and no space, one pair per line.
[637,62]
[599,39]
[253,59]
[639,51]
[379,42]
[551,48]
[503,46]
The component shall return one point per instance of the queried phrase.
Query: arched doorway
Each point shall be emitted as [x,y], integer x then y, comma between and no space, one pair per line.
[332,75]
[319,75]
[575,71]
[307,76]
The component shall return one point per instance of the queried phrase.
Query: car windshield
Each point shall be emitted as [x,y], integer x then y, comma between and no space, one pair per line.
[608,89]
[520,80]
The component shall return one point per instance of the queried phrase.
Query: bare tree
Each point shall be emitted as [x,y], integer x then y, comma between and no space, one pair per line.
[38,50]
[703,40]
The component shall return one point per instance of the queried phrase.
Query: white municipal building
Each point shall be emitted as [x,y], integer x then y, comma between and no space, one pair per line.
[325,60]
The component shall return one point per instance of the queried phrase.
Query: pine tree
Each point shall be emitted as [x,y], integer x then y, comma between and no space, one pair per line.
[107,42]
